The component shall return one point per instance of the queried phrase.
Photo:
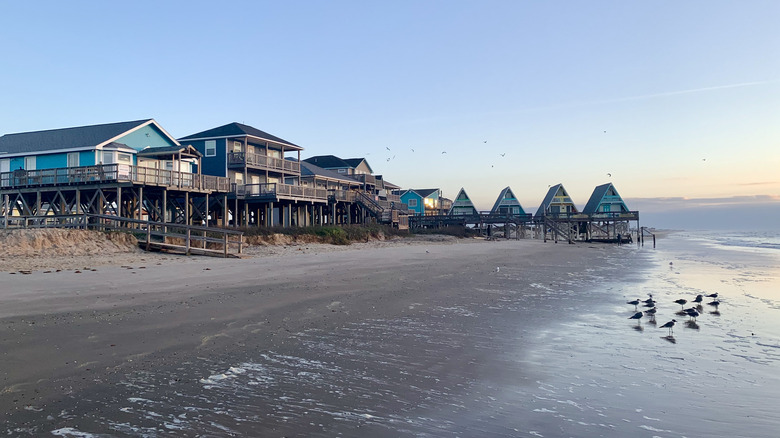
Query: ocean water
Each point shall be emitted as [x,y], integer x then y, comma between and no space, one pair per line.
[480,368]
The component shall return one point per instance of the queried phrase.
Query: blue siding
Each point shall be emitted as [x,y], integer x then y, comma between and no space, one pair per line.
[51,161]
[87,158]
[147,136]
[216,165]
[418,209]
[17,163]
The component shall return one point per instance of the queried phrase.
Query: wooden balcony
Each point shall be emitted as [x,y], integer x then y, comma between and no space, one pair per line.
[263,162]
[274,191]
[111,173]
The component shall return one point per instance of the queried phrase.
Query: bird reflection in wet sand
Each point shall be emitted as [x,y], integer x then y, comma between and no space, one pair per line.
[669,338]
[692,325]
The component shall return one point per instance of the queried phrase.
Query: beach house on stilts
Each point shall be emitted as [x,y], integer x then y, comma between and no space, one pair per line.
[508,206]
[558,215]
[128,169]
[609,217]
[462,205]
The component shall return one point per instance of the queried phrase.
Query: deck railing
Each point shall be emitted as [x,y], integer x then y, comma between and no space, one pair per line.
[264,162]
[107,173]
[187,239]
[274,190]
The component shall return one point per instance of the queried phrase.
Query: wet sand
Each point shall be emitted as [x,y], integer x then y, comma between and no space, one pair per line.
[406,340]
[68,337]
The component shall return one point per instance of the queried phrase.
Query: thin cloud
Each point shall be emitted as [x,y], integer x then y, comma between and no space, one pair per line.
[763,183]
[681,203]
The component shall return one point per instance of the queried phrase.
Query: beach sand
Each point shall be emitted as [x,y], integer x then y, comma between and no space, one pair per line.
[436,337]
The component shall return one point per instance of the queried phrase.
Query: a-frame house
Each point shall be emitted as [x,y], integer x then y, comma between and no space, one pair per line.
[605,200]
[507,203]
[557,202]
[462,205]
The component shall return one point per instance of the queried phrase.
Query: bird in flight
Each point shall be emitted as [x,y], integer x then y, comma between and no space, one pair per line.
[503,154]
[412,149]
[609,175]
[484,141]
[387,148]
[443,152]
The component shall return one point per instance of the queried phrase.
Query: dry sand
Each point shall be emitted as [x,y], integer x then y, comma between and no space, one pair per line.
[73,333]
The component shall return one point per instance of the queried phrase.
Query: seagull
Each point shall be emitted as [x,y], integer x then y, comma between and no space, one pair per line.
[692,313]
[649,300]
[712,295]
[670,326]
[651,312]
[715,303]
[609,175]
[412,149]
[635,303]
[387,148]
[484,141]
[698,299]
[681,302]
[503,154]
[443,152]
[636,316]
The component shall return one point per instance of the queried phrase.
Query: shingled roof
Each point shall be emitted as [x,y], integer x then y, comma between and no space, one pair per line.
[328,162]
[236,129]
[308,169]
[68,138]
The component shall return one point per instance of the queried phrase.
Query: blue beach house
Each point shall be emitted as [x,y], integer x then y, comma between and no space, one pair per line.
[605,200]
[79,154]
[422,202]
[462,205]
[507,203]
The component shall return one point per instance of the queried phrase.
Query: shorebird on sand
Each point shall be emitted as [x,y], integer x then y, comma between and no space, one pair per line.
[637,316]
[651,313]
[715,303]
[699,298]
[670,326]
[692,313]
[681,302]
[635,303]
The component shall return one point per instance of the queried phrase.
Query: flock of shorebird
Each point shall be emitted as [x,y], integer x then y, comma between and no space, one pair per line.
[692,312]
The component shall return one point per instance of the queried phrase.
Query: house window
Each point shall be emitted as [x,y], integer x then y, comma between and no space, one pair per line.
[211,148]
[29,163]
[5,165]
[124,159]
[342,170]
[239,178]
[73,159]
[412,203]
[237,146]
[169,165]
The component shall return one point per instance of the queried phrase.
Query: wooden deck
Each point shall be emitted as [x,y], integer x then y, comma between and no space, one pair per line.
[112,173]
[152,236]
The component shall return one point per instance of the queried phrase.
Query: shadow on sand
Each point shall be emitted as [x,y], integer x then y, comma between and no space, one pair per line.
[692,325]
[639,328]
[669,339]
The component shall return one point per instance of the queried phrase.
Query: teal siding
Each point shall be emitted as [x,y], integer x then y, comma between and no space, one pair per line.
[418,209]
[86,158]
[146,136]
[17,163]
[51,161]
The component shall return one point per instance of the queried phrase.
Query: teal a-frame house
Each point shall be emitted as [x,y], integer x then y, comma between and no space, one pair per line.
[462,205]
[507,203]
[605,200]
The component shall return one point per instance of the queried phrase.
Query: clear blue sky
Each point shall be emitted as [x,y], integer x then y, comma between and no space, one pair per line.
[678,101]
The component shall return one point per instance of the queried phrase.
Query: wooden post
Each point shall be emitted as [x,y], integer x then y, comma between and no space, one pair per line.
[6,207]
[187,218]
[187,242]
[206,219]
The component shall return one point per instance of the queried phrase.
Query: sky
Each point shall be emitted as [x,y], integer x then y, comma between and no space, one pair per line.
[675,103]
